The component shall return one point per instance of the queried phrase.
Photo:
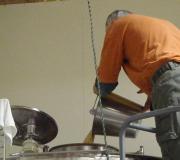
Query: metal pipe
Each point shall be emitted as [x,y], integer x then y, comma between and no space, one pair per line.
[141,127]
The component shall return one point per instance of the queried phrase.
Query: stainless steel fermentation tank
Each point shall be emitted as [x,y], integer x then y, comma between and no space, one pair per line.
[79,151]
[36,128]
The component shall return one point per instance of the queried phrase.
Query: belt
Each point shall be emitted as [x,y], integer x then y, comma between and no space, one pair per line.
[171,65]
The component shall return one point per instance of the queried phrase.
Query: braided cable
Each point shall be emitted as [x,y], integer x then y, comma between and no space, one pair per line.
[96,68]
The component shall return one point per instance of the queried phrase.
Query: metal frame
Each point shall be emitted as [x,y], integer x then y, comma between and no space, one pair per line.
[3,146]
[128,123]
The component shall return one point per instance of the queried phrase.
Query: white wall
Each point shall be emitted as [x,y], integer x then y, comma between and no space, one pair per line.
[47,62]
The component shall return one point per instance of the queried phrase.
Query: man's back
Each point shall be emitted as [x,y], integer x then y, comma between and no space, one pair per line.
[145,43]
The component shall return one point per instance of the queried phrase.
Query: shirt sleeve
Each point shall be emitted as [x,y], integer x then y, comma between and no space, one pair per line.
[111,55]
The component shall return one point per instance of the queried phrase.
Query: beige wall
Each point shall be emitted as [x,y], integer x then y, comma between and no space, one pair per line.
[47,62]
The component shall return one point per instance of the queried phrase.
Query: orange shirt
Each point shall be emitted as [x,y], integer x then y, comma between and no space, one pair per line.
[140,45]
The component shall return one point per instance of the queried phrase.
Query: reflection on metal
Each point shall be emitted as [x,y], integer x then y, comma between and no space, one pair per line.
[33,124]
[140,151]
[78,155]
[30,146]
[83,147]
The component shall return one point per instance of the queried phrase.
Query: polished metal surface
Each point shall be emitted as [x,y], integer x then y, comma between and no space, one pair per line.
[84,147]
[141,157]
[113,117]
[78,155]
[33,123]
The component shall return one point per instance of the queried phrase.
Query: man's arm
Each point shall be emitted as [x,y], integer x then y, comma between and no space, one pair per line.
[112,55]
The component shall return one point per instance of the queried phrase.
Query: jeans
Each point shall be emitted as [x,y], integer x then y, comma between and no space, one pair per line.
[166,93]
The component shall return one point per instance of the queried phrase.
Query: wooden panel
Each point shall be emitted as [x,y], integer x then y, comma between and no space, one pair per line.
[3,2]
[117,101]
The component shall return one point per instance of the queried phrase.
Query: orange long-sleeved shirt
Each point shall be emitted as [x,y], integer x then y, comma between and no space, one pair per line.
[140,45]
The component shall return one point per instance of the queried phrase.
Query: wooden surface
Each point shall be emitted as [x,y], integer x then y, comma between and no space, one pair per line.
[117,101]
[5,2]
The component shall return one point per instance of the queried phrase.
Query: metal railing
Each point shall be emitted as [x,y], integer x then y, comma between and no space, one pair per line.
[128,124]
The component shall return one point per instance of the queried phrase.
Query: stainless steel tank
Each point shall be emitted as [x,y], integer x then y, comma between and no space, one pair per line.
[80,151]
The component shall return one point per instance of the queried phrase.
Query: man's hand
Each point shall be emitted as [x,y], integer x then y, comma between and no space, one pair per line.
[105,88]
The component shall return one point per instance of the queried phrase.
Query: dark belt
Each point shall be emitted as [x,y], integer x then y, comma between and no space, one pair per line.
[165,67]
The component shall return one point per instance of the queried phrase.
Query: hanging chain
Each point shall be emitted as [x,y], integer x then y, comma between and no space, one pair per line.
[96,68]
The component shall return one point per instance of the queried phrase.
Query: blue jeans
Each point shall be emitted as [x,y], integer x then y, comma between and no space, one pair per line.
[166,93]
